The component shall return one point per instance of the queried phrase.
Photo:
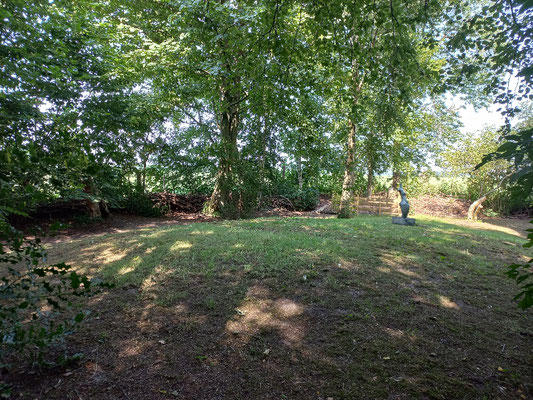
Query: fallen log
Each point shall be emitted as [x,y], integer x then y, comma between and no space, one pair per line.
[477,205]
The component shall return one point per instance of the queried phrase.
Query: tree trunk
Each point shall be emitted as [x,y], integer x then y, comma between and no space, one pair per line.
[396,156]
[370,180]
[477,205]
[224,199]
[357,80]
[144,175]
[139,183]
[345,207]
[264,135]
[93,207]
[395,179]
[299,169]
[395,183]
[475,208]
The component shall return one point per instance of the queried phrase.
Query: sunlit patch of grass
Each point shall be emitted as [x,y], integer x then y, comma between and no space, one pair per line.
[289,246]
[447,302]
[177,246]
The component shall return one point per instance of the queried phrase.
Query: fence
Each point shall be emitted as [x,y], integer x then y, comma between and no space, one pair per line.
[381,203]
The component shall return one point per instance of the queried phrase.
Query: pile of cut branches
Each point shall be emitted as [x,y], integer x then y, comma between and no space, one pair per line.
[191,203]
[278,202]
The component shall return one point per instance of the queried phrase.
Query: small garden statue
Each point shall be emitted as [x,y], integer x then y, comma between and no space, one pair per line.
[404,206]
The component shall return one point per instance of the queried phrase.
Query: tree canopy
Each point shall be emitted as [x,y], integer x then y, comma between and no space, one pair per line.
[238,99]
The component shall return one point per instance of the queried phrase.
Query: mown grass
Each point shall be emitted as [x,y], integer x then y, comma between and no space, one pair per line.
[289,246]
[317,308]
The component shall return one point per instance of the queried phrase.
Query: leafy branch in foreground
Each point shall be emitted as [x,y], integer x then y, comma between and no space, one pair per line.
[523,275]
[518,148]
[35,296]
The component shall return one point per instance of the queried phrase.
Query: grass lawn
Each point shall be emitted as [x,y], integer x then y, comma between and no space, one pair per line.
[298,308]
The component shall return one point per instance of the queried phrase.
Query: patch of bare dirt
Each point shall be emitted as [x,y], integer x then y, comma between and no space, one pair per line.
[514,226]
[120,223]
[257,339]
[440,206]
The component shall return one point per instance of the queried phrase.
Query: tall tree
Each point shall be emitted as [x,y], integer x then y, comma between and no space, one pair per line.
[370,51]
[209,59]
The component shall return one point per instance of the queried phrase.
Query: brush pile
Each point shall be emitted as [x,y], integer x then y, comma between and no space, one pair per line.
[60,208]
[190,203]
[278,202]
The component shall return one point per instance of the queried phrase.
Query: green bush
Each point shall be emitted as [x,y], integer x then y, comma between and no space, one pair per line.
[523,275]
[431,185]
[35,296]
[305,199]
[335,202]
[327,182]
[244,188]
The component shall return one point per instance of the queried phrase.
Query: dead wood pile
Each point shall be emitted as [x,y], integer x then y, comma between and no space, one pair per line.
[190,203]
[440,206]
[278,202]
[61,208]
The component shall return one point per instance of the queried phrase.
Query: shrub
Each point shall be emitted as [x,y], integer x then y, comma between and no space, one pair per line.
[303,200]
[335,202]
[430,185]
[35,296]
[523,275]
[327,182]
[306,199]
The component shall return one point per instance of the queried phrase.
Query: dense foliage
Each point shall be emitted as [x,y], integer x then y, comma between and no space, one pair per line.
[128,97]
[235,98]
[518,149]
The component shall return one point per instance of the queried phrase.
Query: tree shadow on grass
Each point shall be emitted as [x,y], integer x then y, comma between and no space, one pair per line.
[337,310]
[515,226]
